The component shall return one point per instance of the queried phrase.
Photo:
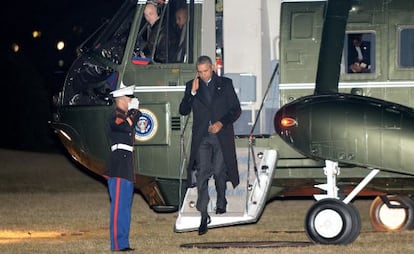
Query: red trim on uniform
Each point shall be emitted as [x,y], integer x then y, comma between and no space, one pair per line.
[119,120]
[116,208]
[133,158]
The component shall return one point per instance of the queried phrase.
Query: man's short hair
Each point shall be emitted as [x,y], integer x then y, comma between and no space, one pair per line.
[204,60]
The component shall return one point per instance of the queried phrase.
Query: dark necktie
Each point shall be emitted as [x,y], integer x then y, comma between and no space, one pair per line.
[210,90]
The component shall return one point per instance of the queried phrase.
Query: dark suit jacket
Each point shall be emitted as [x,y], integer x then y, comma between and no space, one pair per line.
[353,54]
[224,107]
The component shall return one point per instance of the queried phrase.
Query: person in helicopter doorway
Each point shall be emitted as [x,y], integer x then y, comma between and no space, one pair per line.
[181,19]
[215,108]
[359,54]
[157,42]
[120,168]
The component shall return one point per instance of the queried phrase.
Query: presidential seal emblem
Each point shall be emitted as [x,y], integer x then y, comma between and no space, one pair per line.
[147,126]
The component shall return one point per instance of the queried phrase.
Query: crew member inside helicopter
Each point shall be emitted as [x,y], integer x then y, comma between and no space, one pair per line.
[155,42]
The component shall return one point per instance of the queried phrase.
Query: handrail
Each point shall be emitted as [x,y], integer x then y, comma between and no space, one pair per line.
[251,150]
[183,158]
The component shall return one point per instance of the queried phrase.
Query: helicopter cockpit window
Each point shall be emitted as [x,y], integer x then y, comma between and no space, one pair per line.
[112,44]
[360,53]
[406,49]
[89,81]
[162,37]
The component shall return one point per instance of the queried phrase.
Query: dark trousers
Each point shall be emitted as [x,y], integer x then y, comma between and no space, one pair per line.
[121,192]
[210,163]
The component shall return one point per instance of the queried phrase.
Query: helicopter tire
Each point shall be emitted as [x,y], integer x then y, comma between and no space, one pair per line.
[357,223]
[330,221]
[384,218]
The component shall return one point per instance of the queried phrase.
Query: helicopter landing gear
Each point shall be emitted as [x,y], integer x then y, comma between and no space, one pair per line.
[331,220]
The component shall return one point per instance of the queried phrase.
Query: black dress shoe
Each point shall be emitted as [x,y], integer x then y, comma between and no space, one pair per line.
[205,220]
[220,210]
[127,249]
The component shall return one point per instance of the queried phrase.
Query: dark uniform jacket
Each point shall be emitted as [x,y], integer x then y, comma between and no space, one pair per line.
[224,107]
[121,162]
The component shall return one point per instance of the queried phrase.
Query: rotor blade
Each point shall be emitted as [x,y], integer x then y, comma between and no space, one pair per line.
[332,44]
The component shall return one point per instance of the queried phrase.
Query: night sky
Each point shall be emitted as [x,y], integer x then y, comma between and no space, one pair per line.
[31,76]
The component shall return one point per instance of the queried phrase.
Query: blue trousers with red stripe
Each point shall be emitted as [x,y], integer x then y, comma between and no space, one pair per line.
[121,192]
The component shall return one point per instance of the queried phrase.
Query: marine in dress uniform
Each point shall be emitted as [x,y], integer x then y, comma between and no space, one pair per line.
[120,168]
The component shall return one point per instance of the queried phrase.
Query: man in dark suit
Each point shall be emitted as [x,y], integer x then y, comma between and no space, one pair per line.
[215,108]
[359,59]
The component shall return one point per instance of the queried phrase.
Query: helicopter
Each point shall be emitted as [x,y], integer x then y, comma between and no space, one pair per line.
[313,146]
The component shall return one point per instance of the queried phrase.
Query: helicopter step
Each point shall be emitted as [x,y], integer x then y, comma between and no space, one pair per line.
[245,203]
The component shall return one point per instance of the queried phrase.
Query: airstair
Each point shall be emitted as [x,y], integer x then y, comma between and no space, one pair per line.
[245,203]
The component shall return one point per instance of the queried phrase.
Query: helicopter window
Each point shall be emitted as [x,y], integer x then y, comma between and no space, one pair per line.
[113,42]
[360,52]
[162,37]
[89,83]
[302,26]
[406,50]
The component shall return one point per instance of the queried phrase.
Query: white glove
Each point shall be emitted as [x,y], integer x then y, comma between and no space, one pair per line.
[133,104]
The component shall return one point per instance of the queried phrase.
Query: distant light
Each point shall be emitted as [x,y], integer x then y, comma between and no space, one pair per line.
[15,47]
[60,45]
[36,34]
[61,63]
[354,9]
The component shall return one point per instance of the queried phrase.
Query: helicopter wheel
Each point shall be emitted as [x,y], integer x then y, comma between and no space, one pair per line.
[384,218]
[330,221]
[357,223]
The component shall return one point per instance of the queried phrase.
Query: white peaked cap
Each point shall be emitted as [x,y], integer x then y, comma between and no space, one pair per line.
[123,91]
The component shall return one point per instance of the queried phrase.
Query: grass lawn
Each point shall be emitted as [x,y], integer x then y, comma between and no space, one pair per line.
[48,205]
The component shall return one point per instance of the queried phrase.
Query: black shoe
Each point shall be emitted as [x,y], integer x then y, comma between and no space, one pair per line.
[220,210]
[127,249]
[205,220]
